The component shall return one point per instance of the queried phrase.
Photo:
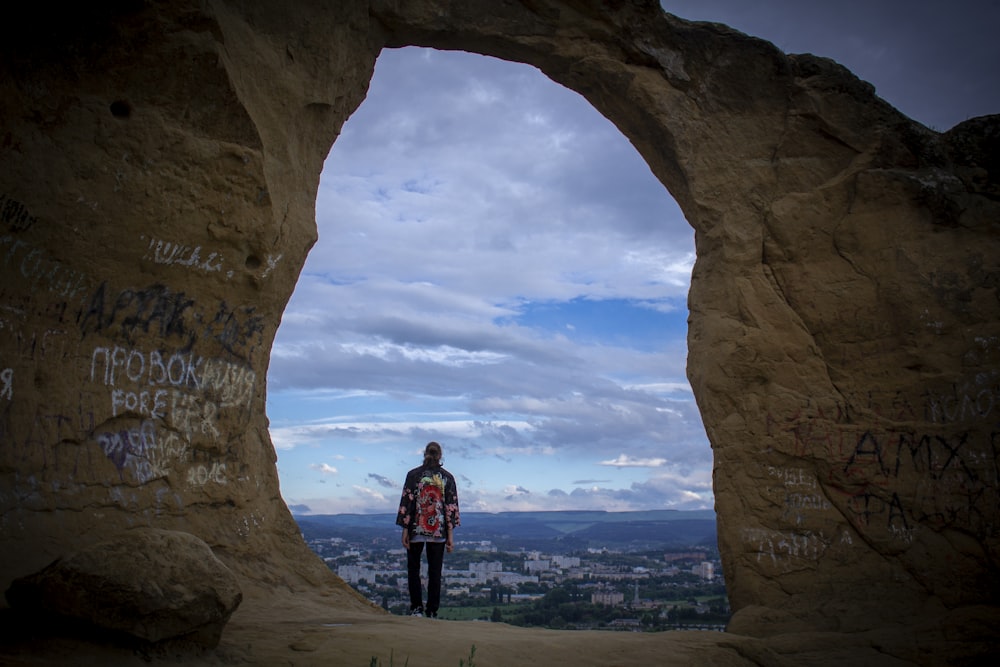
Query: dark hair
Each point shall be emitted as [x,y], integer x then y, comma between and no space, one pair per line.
[432,454]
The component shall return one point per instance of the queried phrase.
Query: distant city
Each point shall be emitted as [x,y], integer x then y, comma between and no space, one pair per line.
[632,571]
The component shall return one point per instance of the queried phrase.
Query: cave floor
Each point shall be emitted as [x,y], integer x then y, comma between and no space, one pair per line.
[327,629]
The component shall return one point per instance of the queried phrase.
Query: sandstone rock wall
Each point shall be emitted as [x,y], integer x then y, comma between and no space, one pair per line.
[160,165]
[156,210]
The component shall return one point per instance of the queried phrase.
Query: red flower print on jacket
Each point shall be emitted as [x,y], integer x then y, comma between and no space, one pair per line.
[430,506]
[429,503]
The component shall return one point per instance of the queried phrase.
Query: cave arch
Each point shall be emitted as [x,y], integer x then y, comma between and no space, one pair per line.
[844,319]
[419,241]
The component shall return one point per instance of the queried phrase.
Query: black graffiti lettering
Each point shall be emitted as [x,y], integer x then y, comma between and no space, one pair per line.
[861,506]
[874,450]
[124,301]
[972,502]
[95,310]
[914,445]
[953,454]
[155,309]
[868,505]
[962,403]
[15,214]
[234,333]
[168,310]
[896,512]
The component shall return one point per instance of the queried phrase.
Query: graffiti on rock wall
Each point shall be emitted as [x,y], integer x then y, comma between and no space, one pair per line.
[172,253]
[7,384]
[150,375]
[32,345]
[38,271]
[15,215]
[179,399]
[798,490]
[239,331]
[155,310]
[169,316]
[965,402]
[184,392]
[31,266]
[147,452]
[159,387]
[788,550]
[248,523]
[896,468]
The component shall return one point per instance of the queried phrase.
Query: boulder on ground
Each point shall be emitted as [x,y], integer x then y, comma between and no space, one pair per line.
[149,583]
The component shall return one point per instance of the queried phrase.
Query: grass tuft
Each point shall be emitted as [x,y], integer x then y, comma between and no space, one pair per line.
[376,662]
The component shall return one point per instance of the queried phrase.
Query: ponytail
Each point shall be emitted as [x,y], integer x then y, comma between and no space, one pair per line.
[432,454]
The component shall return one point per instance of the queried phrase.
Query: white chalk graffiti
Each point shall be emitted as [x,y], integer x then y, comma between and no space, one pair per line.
[144,403]
[965,403]
[140,367]
[804,501]
[168,252]
[181,392]
[248,523]
[145,453]
[800,492]
[793,477]
[7,384]
[186,390]
[783,547]
[134,450]
[193,416]
[200,475]
[228,384]
[41,271]
[272,263]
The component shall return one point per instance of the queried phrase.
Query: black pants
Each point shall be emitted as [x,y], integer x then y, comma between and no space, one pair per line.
[435,560]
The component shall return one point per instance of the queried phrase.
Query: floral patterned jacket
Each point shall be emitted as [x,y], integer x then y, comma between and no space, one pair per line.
[429,502]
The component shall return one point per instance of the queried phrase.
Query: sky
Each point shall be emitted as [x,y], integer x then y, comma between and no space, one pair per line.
[498,270]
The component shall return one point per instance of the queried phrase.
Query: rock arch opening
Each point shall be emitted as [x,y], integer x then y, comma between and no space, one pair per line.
[499,271]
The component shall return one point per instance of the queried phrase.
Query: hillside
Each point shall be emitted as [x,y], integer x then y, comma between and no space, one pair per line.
[552,531]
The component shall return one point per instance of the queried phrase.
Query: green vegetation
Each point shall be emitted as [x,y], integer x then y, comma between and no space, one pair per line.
[567,606]
[375,662]
[480,613]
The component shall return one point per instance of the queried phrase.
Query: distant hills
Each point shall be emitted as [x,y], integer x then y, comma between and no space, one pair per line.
[560,531]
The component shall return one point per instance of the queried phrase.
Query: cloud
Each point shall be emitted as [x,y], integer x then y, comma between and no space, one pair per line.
[669,490]
[382,481]
[369,494]
[299,509]
[324,468]
[626,461]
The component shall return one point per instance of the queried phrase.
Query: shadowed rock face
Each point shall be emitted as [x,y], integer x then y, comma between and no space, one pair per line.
[158,170]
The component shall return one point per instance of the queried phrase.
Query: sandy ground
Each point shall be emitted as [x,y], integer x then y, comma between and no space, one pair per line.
[331,630]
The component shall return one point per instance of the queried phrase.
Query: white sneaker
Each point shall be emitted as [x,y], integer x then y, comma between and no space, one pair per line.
[418,612]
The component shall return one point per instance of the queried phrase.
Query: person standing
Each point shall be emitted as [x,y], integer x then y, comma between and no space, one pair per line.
[428,513]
